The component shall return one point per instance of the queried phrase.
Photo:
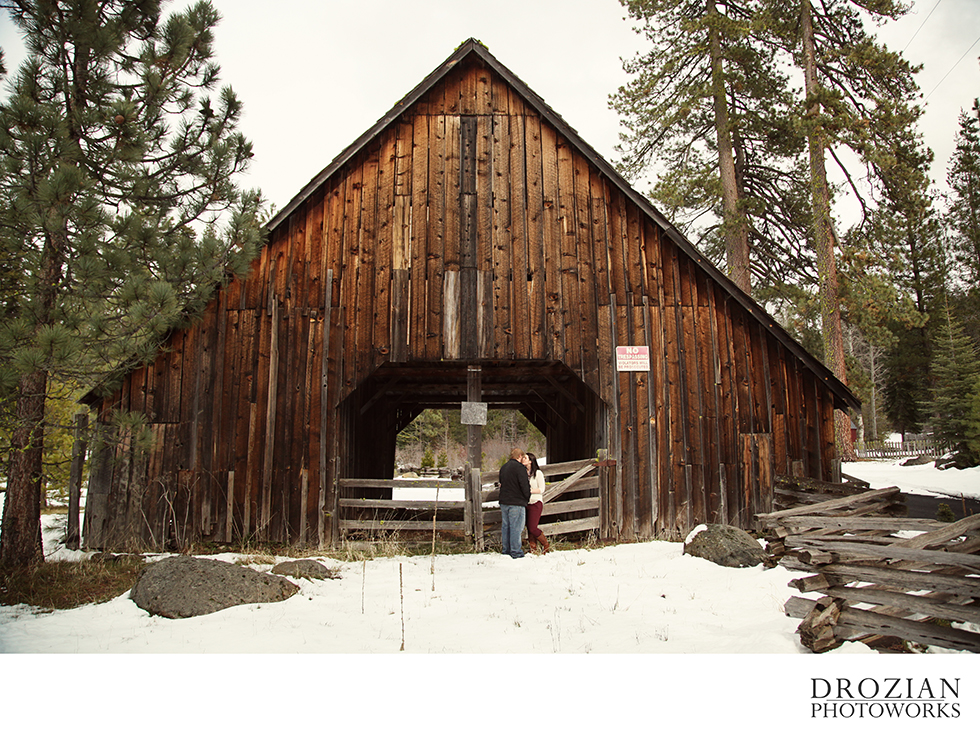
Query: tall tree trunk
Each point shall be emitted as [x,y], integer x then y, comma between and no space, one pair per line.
[20,537]
[823,235]
[735,226]
[20,542]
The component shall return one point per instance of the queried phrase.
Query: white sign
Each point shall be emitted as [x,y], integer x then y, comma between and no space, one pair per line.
[473,413]
[632,358]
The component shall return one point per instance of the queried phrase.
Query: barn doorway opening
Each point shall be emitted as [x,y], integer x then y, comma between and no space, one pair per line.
[569,416]
[436,441]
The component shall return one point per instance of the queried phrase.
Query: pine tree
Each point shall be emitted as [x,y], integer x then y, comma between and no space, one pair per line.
[906,387]
[896,274]
[858,95]
[120,205]
[964,209]
[971,433]
[956,369]
[707,105]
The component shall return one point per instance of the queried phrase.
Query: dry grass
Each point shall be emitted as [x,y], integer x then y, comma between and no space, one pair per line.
[62,585]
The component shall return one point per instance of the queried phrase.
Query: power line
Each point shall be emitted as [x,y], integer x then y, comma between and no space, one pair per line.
[952,67]
[920,25]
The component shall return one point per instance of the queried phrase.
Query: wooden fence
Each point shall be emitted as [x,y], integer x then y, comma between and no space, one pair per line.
[910,448]
[878,584]
[571,504]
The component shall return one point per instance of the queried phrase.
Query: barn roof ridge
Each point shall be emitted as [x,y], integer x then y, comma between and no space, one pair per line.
[474,47]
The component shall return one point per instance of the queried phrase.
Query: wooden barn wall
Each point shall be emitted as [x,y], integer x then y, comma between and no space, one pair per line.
[468,230]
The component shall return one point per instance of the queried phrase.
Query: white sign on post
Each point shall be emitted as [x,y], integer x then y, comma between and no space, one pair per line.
[632,358]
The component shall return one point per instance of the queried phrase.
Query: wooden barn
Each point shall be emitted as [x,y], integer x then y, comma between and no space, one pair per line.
[469,231]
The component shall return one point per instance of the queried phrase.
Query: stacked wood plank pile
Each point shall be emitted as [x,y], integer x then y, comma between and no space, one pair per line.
[882,575]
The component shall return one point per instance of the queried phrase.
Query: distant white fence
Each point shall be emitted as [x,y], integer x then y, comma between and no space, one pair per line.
[910,448]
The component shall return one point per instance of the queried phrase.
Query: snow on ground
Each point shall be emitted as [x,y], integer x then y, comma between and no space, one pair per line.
[920,479]
[642,598]
[641,624]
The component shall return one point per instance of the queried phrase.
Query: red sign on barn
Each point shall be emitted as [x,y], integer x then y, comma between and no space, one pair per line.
[632,358]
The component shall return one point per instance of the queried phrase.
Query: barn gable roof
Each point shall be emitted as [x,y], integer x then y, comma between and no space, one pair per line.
[472,47]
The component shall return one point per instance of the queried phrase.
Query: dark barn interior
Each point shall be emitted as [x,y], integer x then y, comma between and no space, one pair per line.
[553,399]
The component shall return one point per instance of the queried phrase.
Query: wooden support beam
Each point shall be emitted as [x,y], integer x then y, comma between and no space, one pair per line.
[553,491]
[78,450]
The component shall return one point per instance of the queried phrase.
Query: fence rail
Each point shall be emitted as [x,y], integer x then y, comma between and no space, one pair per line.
[571,504]
[909,448]
[877,583]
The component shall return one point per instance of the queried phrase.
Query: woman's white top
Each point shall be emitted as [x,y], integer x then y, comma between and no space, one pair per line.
[537,487]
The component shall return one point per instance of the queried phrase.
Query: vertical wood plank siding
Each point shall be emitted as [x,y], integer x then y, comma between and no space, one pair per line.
[469,229]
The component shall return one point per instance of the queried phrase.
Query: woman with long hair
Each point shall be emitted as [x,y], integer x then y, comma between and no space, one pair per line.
[535,535]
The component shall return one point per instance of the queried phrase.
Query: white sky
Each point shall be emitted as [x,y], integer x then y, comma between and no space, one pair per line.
[314,75]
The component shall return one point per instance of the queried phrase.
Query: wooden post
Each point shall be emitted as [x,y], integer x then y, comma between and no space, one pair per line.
[78,450]
[474,432]
[468,502]
[325,534]
[476,490]
[474,457]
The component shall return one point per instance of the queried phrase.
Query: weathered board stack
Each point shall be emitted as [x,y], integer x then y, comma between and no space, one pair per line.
[469,228]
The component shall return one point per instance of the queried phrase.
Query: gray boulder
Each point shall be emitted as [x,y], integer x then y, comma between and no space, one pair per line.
[919,460]
[184,587]
[727,546]
[305,569]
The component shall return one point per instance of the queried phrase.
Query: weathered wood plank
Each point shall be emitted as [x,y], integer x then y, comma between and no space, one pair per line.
[452,317]
[552,235]
[944,534]
[616,218]
[578,504]
[910,604]
[584,313]
[554,490]
[827,507]
[384,251]
[869,523]
[439,143]
[417,332]
[386,504]
[854,620]
[536,244]
[504,253]
[840,573]
[569,238]
[843,548]
[516,185]
[568,527]
[358,525]
[378,483]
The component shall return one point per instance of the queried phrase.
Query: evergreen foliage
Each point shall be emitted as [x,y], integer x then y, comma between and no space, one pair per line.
[906,383]
[118,202]
[708,108]
[438,436]
[956,370]
[964,209]
[971,429]
[858,98]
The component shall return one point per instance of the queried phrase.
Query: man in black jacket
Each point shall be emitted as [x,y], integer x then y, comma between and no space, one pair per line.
[515,492]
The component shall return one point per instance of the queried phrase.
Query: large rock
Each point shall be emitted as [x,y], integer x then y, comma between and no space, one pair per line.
[305,569]
[183,587]
[725,545]
[919,460]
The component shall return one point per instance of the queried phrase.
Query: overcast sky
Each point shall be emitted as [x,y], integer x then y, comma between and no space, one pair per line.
[314,75]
